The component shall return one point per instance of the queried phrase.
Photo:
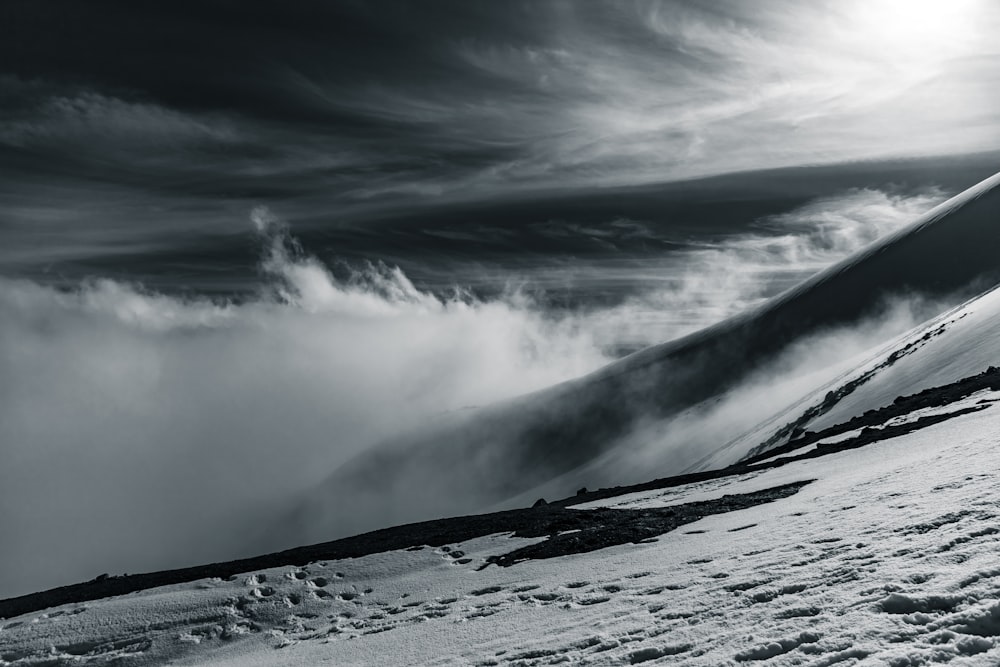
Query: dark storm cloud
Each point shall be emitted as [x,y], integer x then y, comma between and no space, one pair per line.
[140,115]
[428,94]
[346,92]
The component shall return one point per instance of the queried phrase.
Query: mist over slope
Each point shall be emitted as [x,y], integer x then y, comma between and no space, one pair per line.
[957,344]
[136,422]
[883,551]
[474,460]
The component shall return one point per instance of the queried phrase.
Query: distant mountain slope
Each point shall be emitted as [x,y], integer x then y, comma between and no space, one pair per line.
[481,457]
[955,345]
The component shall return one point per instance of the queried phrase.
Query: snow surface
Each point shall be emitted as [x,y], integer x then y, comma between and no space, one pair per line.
[969,347]
[952,346]
[890,557]
[971,401]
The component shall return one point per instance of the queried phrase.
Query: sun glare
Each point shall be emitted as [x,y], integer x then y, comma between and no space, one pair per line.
[918,31]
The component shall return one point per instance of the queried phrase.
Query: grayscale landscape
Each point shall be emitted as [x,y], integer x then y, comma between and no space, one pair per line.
[500,333]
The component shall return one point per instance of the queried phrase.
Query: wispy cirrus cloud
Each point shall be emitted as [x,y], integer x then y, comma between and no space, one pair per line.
[88,119]
[529,95]
[353,111]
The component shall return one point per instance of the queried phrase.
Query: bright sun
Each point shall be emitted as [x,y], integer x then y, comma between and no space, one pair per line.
[921,30]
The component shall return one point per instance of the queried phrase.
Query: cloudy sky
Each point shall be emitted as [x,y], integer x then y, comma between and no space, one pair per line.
[126,123]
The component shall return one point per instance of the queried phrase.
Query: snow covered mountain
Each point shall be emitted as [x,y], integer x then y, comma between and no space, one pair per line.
[856,526]
[955,345]
[595,429]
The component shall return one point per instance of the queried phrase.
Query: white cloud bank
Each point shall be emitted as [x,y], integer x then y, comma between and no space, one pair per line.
[142,431]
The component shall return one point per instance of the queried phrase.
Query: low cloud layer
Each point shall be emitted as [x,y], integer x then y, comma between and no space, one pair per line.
[705,284]
[142,431]
[151,431]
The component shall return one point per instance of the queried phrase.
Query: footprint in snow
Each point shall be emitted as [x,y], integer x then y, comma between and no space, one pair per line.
[593,599]
[734,530]
[453,556]
[543,597]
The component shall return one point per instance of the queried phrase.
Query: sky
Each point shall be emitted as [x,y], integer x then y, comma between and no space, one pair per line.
[126,126]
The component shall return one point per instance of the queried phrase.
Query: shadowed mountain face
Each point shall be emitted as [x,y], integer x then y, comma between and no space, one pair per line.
[482,457]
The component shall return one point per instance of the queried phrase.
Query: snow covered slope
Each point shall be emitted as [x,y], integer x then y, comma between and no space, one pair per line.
[957,344]
[475,459]
[888,557]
